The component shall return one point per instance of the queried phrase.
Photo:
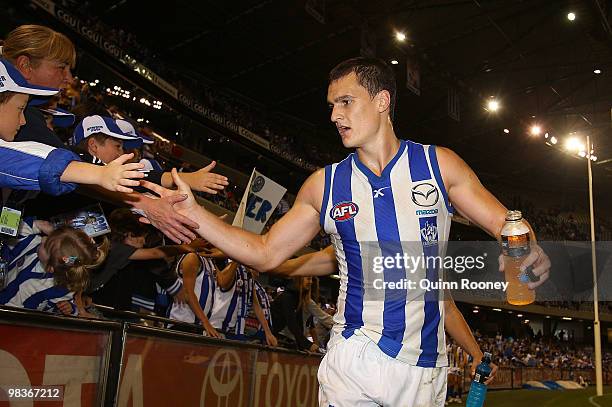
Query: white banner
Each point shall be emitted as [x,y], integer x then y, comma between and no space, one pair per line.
[260,199]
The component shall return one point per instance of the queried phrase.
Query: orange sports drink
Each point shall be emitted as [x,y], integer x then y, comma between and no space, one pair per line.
[515,248]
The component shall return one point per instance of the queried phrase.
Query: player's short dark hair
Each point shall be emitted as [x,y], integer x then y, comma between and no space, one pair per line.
[372,73]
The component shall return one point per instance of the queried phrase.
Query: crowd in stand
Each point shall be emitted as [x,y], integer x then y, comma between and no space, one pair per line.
[557,223]
[76,251]
[555,352]
[287,136]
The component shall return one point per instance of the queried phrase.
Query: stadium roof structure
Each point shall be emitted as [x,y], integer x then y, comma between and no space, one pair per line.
[527,54]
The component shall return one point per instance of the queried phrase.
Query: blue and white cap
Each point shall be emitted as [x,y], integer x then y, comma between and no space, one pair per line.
[61,117]
[99,124]
[11,80]
[128,128]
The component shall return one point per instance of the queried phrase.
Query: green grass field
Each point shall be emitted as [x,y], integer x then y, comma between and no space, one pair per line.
[543,398]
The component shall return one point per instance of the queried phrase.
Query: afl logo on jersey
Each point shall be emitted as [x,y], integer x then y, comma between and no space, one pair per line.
[425,194]
[344,211]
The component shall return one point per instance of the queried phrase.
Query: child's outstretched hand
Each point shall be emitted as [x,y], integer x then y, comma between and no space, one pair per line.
[197,245]
[119,176]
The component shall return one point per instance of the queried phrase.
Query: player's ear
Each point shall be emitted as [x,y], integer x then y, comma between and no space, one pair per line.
[383,100]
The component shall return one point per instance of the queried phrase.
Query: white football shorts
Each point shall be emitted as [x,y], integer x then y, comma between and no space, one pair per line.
[356,373]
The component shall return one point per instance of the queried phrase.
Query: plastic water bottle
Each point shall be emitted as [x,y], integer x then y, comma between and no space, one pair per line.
[478,390]
[515,248]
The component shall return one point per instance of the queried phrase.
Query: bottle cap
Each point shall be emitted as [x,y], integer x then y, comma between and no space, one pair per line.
[514,215]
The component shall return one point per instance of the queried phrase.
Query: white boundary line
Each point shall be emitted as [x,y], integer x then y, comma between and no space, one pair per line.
[597,404]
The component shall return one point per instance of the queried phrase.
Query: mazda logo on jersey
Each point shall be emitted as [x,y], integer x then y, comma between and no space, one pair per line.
[343,211]
[425,194]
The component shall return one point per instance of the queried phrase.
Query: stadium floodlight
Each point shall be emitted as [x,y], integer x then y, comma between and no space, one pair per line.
[573,145]
[400,36]
[493,105]
[571,16]
[535,130]
[553,140]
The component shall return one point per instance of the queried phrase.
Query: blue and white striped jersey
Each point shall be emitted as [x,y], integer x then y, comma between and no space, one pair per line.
[231,306]
[264,301]
[34,166]
[204,290]
[35,289]
[28,284]
[403,212]
[250,326]
[21,251]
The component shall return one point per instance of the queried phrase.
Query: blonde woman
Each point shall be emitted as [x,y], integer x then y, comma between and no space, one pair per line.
[45,58]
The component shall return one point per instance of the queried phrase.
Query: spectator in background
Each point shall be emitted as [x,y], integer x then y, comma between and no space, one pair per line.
[320,320]
[115,283]
[100,140]
[235,297]
[34,166]
[197,274]
[136,147]
[288,312]
[44,57]
[57,270]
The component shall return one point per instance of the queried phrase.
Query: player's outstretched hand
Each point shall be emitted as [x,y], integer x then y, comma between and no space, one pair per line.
[161,214]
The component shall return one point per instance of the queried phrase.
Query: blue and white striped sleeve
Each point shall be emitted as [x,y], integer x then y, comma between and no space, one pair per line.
[35,166]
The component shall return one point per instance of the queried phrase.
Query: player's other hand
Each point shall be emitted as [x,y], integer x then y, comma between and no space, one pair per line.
[537,264]
[476,362]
